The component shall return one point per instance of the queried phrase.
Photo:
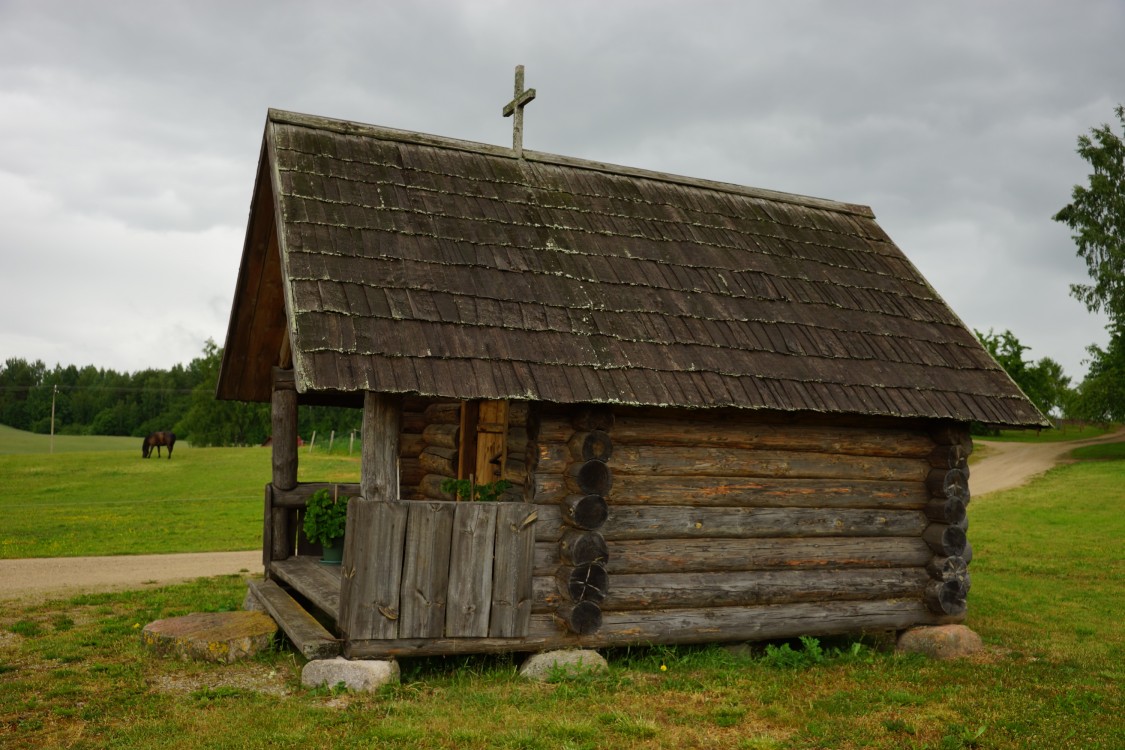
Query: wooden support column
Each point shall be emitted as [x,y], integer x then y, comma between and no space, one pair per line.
[376,528]
[382,415]
[277,535]
[284,418]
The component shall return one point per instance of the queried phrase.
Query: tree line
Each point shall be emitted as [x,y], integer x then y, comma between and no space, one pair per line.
[96,401]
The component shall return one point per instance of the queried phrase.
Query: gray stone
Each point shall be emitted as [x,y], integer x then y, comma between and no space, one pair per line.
[940,642]
[564,663]
[358,674]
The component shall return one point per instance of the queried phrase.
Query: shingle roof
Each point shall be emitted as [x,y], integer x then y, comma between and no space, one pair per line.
[412,263]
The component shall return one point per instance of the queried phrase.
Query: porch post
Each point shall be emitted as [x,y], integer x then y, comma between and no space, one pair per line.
[382,415]
[373,543]
[276,537]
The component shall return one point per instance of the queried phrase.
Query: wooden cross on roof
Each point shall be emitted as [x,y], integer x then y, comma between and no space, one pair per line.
[515,107]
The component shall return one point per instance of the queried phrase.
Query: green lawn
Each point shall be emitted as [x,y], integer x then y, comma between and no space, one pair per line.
[1047,599]
[1059,434]
[108,502]
[20,442]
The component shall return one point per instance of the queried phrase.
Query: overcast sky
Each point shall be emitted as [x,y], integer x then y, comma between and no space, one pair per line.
[130,134]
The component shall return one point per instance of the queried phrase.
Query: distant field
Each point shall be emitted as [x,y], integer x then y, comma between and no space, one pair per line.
[1102,452]
[1061,433]
[113,502]
[18,441]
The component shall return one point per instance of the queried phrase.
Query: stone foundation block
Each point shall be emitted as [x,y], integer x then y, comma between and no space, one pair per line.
[940,641]
[564,663]
[356,674]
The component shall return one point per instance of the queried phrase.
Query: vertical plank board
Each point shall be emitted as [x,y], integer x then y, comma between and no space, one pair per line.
[511,571]
[425,572]
[492,433]
[470,570]
[372,569]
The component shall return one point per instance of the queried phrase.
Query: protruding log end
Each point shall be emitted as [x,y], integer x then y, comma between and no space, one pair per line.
[948,483]
[583,547]
[590,446]
[592,477]
[585,511]
[949,457]
[581,618]
[947,568]
[946,597]
[950,510]
[583,583]
[945,540]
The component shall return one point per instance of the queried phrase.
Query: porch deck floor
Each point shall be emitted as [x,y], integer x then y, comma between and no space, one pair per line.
[318,583]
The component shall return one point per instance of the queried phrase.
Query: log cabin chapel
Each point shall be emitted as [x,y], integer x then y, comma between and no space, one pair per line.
[725,413]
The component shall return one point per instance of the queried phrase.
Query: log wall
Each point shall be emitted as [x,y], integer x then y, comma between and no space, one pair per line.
[678,527]
[711,519]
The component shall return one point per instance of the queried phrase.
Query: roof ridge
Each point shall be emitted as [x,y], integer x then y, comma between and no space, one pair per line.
[349,127]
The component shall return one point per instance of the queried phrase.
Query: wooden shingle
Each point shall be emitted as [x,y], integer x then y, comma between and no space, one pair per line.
[417,264]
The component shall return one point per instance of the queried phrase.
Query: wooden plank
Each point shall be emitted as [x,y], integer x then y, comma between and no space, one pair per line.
[318,583]
[725,589]
[425,575]
[710,625]
[470,570]
[726,491]
[685,522]
[307,635]
[713,555]
[511,572]
[372,568]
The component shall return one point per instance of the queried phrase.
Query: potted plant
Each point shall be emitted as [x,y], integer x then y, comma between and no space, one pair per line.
[326,516]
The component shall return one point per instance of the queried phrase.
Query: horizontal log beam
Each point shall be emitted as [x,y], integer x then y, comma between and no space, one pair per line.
[442,435]
[443,413]
[685,522]
[712,555]
[694,590]
[733,433]
[712,625]
[298,497]
[745,491]
[732,462]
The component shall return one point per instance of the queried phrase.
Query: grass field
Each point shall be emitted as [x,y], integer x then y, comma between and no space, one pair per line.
[1059,434]
[14,441]
[1047,599]
[112,502]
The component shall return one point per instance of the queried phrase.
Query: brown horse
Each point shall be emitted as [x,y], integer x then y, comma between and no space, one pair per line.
[155,440]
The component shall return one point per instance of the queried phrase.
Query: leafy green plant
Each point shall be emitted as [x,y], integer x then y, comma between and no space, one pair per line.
[326,516]
[466,489]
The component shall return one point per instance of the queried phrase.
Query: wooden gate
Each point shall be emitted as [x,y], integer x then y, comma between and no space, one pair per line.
[437,569]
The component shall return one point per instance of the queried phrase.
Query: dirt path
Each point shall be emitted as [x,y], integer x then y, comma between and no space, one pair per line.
[1007,465]
[49,577]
